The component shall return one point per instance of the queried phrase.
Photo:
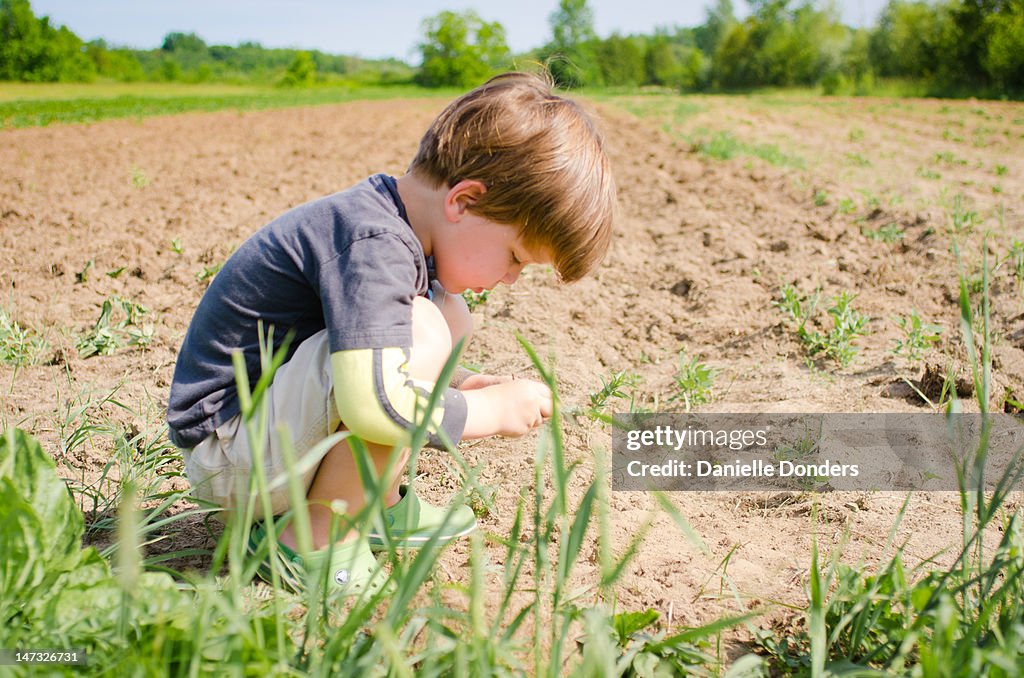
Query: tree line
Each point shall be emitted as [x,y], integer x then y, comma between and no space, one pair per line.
[34,50]
[945,47]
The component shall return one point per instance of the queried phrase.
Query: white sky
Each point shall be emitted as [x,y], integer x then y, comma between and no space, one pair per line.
[368,28]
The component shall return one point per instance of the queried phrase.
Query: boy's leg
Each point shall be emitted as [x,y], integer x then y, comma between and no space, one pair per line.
[337,478]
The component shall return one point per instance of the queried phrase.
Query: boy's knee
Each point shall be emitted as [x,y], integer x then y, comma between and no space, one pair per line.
[431,340]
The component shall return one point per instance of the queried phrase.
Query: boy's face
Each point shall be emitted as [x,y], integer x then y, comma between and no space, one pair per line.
[476,254]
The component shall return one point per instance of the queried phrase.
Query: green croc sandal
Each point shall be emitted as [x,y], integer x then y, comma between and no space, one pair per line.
[412,522]
[352,567]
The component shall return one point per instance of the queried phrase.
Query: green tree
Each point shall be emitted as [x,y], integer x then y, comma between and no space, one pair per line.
[669,63]
[661,67]
[572,24]
[782,46]
[33,50]
[720,20]
[905,41]
[116,64]
[572,55]
[1003,58]
[184,42]
[461,50]
[621,61]
[301,71]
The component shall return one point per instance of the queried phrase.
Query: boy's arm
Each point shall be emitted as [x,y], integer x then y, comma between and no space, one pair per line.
[378,400]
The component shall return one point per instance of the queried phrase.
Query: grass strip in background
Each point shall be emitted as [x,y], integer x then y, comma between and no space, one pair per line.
[69,104]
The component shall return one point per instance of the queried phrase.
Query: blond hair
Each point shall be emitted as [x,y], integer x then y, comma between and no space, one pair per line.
[542,160]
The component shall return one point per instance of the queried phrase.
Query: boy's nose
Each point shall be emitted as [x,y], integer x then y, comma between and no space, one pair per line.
[512,275]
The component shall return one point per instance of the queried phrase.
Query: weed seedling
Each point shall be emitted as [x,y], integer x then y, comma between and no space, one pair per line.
[919,336]
[83,275]
[962,219]
[139,178]
[847,324]
[208,272]
[1016,259]
[693,381]
[474,299]
[18,346]
[820,198]
[889,234]
[176,245]
[857,159]
[846,206]
[106,337]
[612,388]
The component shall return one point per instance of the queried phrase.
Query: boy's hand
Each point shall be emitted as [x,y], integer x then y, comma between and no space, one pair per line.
[509,408]
[523,405]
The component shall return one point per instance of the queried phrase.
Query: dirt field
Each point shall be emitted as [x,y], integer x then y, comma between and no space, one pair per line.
[140,209]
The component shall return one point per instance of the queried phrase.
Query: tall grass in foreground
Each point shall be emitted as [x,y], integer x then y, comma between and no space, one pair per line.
[527,611]
[524,606]
[963,620]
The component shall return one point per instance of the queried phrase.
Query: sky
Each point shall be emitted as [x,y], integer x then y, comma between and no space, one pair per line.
[367,28]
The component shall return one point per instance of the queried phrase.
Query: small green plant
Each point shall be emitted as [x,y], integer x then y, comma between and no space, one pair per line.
[889,234]
[871,201]
[1000,170]
[847,324]
[176,245]
[947,158]
[139,178]
[950,135]
[693,382]
[631,645]
[475,299]
[208,272]
[803,449]
[846,206]
[919,336]
[856,134]
[962,220]
[1015,257]
[18,346]
[857,160]
[83,275]
[926,173]
[613,388]
[107,336]
[820,198]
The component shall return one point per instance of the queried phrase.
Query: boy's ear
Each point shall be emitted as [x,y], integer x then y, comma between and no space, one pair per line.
[461,197]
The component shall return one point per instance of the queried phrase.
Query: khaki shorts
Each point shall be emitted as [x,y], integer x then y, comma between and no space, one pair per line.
[301,400]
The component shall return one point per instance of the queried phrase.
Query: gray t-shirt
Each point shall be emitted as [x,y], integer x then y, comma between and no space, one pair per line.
[348,262]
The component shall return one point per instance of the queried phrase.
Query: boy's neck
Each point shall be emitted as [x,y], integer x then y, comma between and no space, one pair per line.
[424,205]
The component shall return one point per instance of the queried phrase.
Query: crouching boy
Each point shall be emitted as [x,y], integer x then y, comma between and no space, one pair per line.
[368,282]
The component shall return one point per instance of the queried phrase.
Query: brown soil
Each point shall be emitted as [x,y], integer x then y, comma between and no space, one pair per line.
[701,250]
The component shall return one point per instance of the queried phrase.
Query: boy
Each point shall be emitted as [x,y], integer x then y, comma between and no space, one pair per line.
[369,282]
